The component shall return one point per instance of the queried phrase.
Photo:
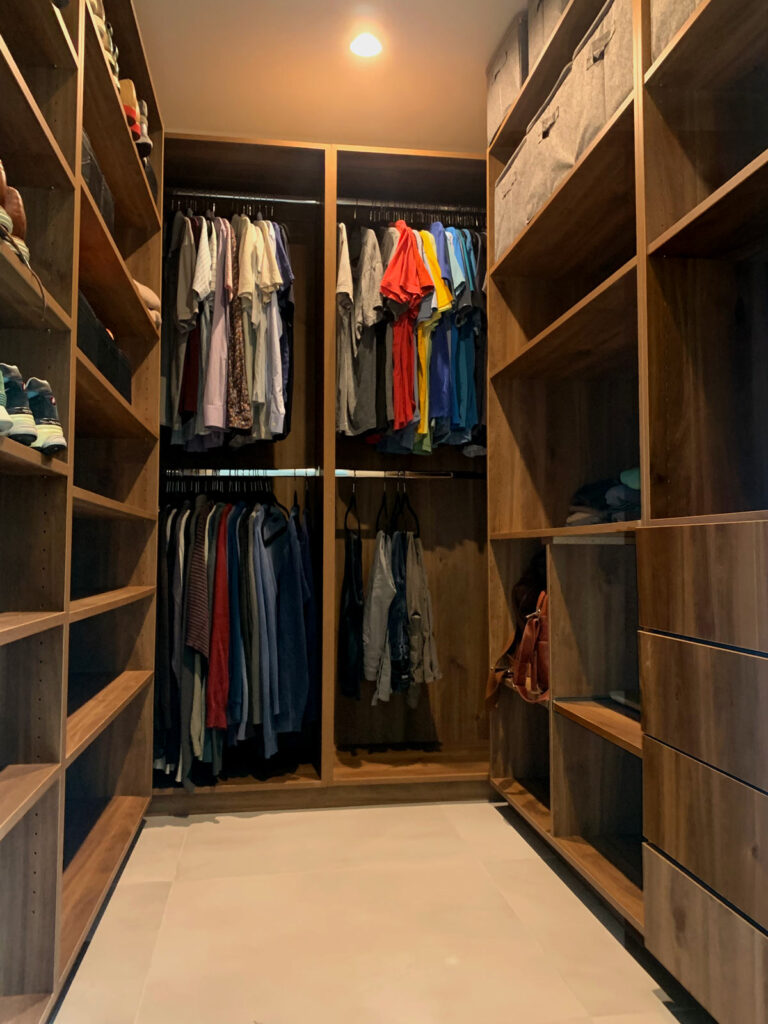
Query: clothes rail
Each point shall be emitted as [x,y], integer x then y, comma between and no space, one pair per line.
[238,197]
[243,473]
[397,204]
[407,474]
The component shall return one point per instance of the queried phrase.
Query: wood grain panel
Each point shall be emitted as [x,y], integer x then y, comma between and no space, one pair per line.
[709,582]
[717,955]
[708,702]
[712,825]
[30,723]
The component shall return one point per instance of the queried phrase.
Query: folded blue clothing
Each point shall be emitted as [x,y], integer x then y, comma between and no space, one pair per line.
[620,496]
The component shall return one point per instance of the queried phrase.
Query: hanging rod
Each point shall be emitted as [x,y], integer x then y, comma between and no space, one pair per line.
[237,197]
[387,204]
[242,473]
[407,474]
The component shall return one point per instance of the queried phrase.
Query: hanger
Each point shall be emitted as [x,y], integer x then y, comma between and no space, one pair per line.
[382,510]
[352,507]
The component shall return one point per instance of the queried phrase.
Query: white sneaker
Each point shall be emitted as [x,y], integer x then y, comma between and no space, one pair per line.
[23,427]
[50,438]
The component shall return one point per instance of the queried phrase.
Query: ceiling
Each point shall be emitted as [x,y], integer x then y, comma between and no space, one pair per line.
[282,69]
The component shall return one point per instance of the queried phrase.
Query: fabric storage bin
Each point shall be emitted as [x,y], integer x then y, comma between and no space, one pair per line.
[506,72]
[543,16]
[614,33]
[667,16]
[588,88]
[511,196]
[98,344]
[554,134]
[97,184]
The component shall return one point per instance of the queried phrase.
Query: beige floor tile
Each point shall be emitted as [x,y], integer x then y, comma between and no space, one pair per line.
[488,830]
[156,854]
[410,943]
[108,985]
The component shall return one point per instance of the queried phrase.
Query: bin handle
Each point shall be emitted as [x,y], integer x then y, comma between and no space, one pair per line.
[548,122]
[600,44]
[500,66]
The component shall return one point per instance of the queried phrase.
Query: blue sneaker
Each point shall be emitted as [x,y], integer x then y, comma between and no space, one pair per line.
[50,438]
[5,420]
[23,427]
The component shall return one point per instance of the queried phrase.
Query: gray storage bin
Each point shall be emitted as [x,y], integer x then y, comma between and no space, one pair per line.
[543,16]
[667,16]
[506,72]
[554,132]
[615,32]
[511,197]
[588,87]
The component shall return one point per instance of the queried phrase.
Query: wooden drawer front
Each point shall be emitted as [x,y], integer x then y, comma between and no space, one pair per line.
[713,951]
[708,702]
[714,826]
[708,582]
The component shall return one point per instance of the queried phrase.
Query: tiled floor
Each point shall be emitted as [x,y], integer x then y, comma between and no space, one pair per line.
[439,914]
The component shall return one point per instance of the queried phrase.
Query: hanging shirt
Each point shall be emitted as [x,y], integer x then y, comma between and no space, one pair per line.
[215,397]
[293,673]
[345,335]
[368,306]
[381,591]
[441,247]
[217,692]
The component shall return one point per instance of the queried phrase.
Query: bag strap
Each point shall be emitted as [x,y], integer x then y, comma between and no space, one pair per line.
[496,676]
[525,653]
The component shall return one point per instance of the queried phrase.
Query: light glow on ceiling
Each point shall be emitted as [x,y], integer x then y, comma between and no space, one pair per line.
[365,45]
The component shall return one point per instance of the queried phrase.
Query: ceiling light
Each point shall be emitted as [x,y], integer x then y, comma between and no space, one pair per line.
[366,45]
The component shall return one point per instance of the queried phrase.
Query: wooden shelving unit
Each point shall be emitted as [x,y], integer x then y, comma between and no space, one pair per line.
[77,784]
[605,719]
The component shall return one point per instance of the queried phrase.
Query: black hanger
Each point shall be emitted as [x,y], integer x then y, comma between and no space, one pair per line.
[406,506]
[382,510]
[352,507]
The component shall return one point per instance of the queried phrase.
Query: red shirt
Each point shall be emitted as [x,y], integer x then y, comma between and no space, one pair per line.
[406,281]
[217,690]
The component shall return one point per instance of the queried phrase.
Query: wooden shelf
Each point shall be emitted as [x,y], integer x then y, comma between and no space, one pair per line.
[522,796]
[21,785]
[104,120]
[95,506]
[18,459]
[595,337]
[589,217]
[100,409]
[721,43]
[26,141]
[18,625]
[304,777]
[89,721]
[91,871]
[606,719]
[599,530]
[98,604]
[28,1009]
[22,302]
[410,766]
[107,282]
[38,38]
[731,223]
[570,30]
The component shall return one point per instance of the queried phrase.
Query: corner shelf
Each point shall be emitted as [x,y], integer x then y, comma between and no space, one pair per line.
[90,720]
[18,459]
[101,411]
[21,785]
[570,30]
[606,719]
[26,135]
[110,600]
[19,625]
[731,223]
[22,304]
[95,506]
[104,120]
[106,280]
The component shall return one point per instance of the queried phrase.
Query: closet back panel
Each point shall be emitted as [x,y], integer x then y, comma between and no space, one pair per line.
[410,177]
[452,520]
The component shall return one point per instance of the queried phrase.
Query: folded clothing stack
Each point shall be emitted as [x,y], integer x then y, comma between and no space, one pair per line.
[607,501]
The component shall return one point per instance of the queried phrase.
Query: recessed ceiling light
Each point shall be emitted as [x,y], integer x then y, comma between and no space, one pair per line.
[366,45]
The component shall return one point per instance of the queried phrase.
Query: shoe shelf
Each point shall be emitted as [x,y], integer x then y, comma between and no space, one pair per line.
[89,874]
[573,25]
[411,766]
[98,604]
[18,625]
[590,217]
[88,504]
[607,719]
[21,786]
[101,411]
[104,120]
[25,138]
[38,37]
[108,284]
[721,43]
[90,720]
[731,223]
[23,304]
[18,459]
[596,336]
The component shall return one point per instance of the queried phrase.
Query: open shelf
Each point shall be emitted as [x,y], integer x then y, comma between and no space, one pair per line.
[20,460]
[721,43]
[22,304]
[594,337]
[26,141]
[525,798]
[107,282]
[90,720]
[612,868]
[18,625]
[92,869]
[598,530]
[98,604]
[303,777]
[571,29]
[21,785]
[104,120]
[101,411]
[589,218]
[607,719]
[410,766]
[731,223]
[38,37]
[95,506]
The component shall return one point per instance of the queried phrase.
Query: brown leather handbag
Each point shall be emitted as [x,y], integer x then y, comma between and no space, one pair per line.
[524,667]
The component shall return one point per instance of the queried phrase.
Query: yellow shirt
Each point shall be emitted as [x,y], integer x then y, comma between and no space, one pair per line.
[442,291]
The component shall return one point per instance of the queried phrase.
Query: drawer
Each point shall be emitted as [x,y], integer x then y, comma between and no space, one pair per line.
[714,952]
[712,825]
[709,582]
[708,702]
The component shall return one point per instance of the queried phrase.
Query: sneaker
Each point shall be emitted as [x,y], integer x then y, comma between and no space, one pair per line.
[5,420]
[144,143]
[50,438]
[23,427]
